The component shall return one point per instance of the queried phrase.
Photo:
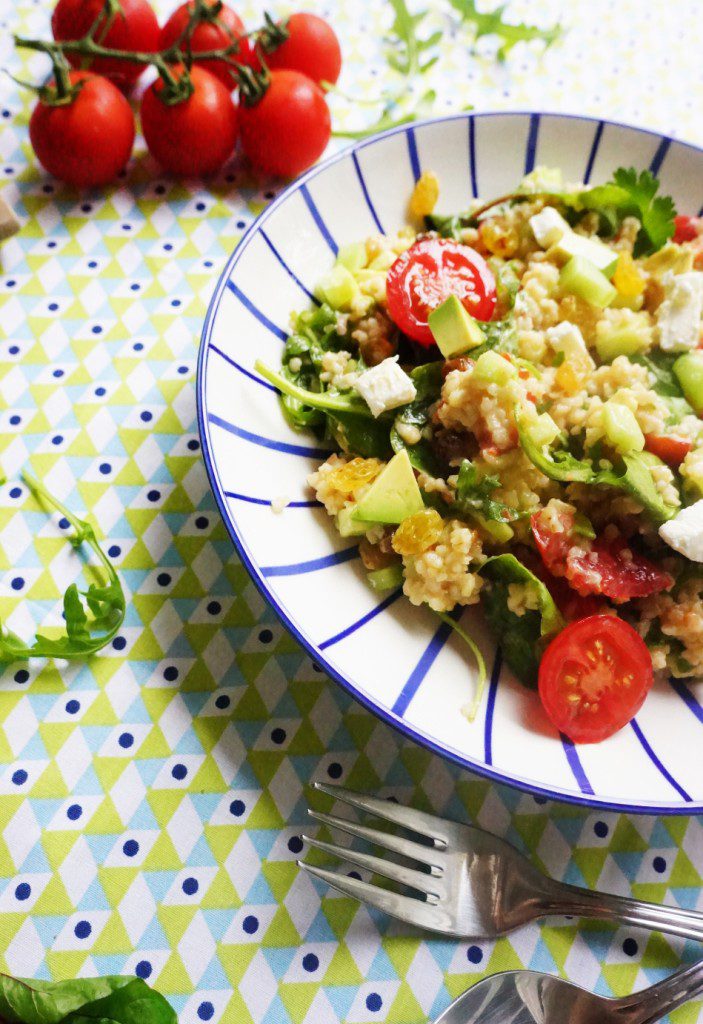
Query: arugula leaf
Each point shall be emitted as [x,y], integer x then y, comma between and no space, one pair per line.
[519,636]
[315,332]
[491,23]
[428,385]
[449,225]
[474,494]
[406,48]
[472,709]
[114,999]
[106,603]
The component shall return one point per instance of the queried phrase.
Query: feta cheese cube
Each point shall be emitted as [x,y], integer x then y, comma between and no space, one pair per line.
[567,338]
[385,387]
[679,315]
[684,533]
[548,226]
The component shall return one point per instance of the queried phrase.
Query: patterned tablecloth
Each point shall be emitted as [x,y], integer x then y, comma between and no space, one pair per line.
[151,799]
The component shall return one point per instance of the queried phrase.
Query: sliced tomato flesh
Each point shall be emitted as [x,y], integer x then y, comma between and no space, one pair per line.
[594,677]
[685,228]
[608,567]
[429,272]
[670,448]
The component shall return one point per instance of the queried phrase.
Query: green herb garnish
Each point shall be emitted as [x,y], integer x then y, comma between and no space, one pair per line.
[116,999]
[472,709]
[492,23]
[474,495]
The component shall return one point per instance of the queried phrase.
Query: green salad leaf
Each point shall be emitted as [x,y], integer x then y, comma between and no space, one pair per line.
[114,999]
[474,495]
[492,23]
[83,635]
[520,636]
[406,47]
[314,334]
[428,385]
[472,709]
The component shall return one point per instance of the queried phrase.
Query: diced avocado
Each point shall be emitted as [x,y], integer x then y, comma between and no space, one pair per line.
[688,369]
[622,339]
[542,429]
[394,494]
[352,256]
[347,525]
[338,287]
[454,330]
[570,244]
[622,430]
[583,278]
[386,579]
[493,369]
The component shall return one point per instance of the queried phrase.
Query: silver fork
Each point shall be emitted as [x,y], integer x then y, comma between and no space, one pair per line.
[471,884]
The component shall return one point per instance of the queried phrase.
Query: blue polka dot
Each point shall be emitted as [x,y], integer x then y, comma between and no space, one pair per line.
[64,523]
[214,607]
[14,420]
[202,523]
[119,643]
[135,287]
[237,808]
[163,579]
[53,306]
[474,955]
[250,924]
[13,350]
[153,495]
[175,302]
[310,962]
[167,247]
[114,550]
[21,676]
[193,445]
[100,392]
[179,771]
[146,416]
[92,264]
[659,865]
[190,886]
[138,346]
[105,468]
[11,283]
[6,113]
[126,227]
[222,702]
[131,848]
[170,673]
[241,224]
[57,439]
[47,188]
[335,770]
[23,891]
[86,207]
[17,583]
[207,263]
[356,875]
[97,329]
[82,929]
[206,1011]
[58,373]
[74,812]
[540,800]
[373,1002]
[126,740]
[16,492]
[200,206]
[73,707]
[51,245]
[183,369]
[278,736]
[630,947]
[143,969]
[265,636]
[601,829]
[295,844]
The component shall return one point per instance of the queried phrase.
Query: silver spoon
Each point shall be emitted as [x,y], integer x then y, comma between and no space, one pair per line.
[529,997]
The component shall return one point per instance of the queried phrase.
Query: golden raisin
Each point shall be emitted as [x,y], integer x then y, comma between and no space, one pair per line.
[627,279]
[425,195]
[354,474]
[418,532]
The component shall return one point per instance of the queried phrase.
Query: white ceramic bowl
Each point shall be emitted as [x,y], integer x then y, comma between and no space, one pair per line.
[396,659]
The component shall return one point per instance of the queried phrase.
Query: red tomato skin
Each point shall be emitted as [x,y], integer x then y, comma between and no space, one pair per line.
[567,656]
[209,35]
[685,228]
[193,138]
[669,448]
[440,266]
[312,47]
[87,142]
[289,128]
[135,29]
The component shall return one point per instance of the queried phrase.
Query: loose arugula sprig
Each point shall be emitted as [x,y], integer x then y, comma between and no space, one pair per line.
[83,636]
[406,48]
[492,23]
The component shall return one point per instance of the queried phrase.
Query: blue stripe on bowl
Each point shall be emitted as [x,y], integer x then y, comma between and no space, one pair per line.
[491,707]
[472,157]
[267,442]
[531,146]
[267,501]
[659,156]
[576,767]
[380,607]
[256,312]
[298,568]
[594,152]
[646,746]
[243,370]
[317,217]
[423,666]
[367,197]
[678,686]
[287,269]
[412,153]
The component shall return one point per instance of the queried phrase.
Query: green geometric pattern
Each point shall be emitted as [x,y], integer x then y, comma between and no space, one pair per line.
[151,798]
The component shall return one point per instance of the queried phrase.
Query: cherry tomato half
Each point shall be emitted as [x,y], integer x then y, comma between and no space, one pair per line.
[685,228]
[134,27]
[594,677]
[607,567]
[225,27]
[668,447]
[88,141]
[426,274]
[312,48]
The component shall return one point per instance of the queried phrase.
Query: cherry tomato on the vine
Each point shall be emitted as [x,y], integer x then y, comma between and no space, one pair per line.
[134,28]
[219,31]
[426,274]
[312,47]
[594,677]
[285,131]
[88,141]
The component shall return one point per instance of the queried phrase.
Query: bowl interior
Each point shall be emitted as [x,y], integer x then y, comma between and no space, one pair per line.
[399,660]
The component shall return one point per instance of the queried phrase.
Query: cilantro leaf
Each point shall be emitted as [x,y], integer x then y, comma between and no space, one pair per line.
[83,635]
[492,23]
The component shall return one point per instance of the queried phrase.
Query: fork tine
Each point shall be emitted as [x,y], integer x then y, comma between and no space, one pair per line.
[418,880]
[423,915]
[417,821]
[396,844]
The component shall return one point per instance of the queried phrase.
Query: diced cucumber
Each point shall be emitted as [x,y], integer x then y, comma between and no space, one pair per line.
[384,261]
[352,256]
[624,339]
[622,430]
[493,369]
[688,369]
[338,287]
[386,579]
[498,531]
[347,525]
[583,526]
[454,330]
[600,255]
[581,277]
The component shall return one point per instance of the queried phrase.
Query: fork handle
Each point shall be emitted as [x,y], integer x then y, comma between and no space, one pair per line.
[651,1004]
[572,900]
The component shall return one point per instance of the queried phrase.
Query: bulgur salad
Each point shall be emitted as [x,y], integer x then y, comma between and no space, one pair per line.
[515,394]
